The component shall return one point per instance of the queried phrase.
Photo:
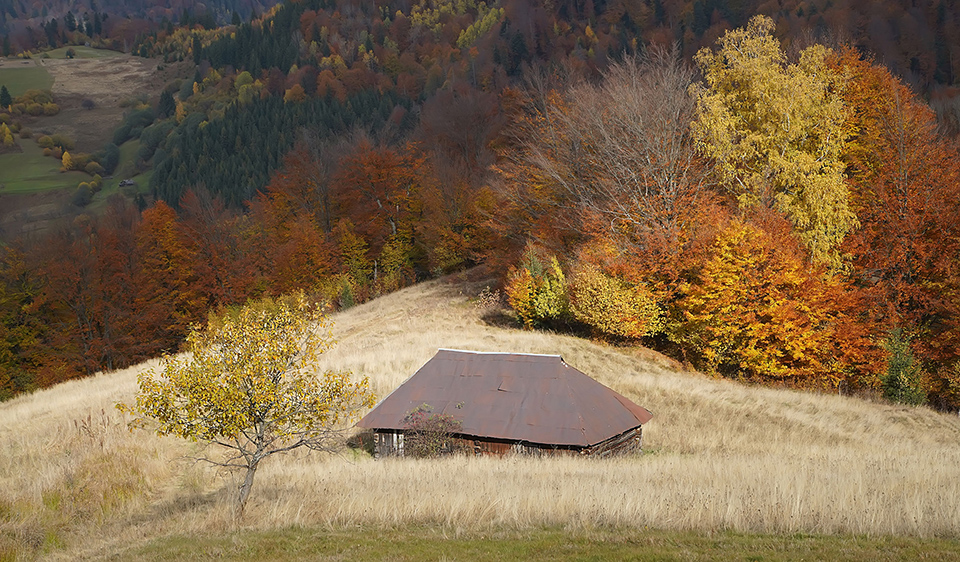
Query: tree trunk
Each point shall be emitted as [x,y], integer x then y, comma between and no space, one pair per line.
[245,488]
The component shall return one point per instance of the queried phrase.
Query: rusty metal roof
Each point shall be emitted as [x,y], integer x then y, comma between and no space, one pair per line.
[532,398]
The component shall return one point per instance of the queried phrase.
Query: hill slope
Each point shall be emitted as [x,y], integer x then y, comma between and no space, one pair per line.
[74,483]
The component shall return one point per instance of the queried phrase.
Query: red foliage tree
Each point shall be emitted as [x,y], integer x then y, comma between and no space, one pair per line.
[379,190]
[227,263]
[89,272]
[169,296]
[906,186]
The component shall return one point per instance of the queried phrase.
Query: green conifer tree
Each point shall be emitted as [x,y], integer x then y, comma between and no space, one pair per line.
[903,381]
[6,100]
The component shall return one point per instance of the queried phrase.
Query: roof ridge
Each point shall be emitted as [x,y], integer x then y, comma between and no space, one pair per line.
[499,352]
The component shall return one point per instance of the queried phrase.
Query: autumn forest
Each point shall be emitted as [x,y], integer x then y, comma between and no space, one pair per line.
[769,198]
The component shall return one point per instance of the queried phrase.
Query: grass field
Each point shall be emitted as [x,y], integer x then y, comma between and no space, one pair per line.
[418,543]
[82,52]
[128,156]
[730,471]
[31,172]
[19,76]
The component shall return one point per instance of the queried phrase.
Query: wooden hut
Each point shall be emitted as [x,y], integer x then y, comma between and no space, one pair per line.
[511,402]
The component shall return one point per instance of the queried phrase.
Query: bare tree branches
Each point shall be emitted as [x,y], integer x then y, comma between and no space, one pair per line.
[620,151]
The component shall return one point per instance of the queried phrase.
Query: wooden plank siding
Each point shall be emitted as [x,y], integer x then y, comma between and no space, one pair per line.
[387,442]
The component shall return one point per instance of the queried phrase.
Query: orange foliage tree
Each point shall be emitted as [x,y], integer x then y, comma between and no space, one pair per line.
[377,188]
[84,269]
[456,127]
[760,311]
[293,250]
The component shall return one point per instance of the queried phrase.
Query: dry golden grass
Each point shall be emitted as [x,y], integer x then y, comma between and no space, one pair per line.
[75,483]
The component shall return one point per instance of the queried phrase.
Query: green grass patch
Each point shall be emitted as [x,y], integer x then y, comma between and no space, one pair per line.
[128,157]
[417,544]
[19,78]
[31,172]
[82,52]
[125,170]
[111,186]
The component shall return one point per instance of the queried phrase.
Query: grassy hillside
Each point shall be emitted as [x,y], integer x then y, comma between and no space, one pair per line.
[751,470]
[83,52]
[22,75]
[30,171]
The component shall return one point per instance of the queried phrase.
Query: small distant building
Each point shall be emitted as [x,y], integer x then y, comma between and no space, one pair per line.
[512,402]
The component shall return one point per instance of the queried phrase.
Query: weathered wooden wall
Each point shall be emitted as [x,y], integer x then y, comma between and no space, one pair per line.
[390,443]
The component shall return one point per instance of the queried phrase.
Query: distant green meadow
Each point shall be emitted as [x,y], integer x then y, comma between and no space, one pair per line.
[83,53]
[30,171]
[18,77]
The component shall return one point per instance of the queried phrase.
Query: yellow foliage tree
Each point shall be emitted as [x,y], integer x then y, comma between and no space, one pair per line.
[66,161]
[486,19]
[612,306]
[776,132]
[6,136]
[521,290]
[181,112]
[537,292]
[243,79]
[353,254]
[250,387]
[395,266]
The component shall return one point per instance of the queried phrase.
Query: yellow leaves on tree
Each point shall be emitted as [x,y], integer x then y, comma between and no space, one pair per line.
[181,112]
[395,267]
[353,254]
[486,19]
[613,307]
[66,162]
[760,313]
[6,136]
[250,386]
[776,132]
[537,291]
